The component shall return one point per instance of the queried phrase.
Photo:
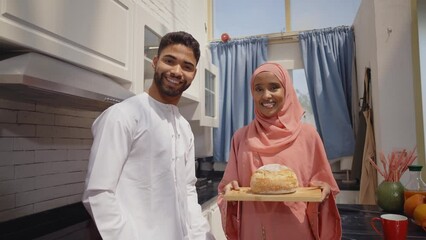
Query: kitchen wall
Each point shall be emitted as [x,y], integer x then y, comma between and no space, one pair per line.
[420,72]
[44,150]
[384,43]
[43,156]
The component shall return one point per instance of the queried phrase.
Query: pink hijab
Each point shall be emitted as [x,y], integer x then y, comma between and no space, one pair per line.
[267,140]
[269,135]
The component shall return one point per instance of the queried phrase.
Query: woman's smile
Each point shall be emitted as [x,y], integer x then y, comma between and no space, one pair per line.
[268,104]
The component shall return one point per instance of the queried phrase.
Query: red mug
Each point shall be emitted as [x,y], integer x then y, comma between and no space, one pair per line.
[394,226]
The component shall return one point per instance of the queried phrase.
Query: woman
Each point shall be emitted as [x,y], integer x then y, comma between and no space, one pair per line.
[277,135]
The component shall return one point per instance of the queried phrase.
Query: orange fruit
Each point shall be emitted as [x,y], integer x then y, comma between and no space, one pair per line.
[412,202]
[420,215]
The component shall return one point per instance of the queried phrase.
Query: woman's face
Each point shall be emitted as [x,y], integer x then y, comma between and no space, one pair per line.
[268,94]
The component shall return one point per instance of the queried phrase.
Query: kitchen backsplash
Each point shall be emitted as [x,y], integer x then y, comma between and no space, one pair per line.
[44,152]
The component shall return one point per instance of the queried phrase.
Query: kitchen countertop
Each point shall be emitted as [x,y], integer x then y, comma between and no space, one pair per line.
[355,218]
[61,221]
[73,222]
[356,223]
[207,193]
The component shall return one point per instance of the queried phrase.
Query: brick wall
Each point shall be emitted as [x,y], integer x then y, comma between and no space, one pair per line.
[44,153]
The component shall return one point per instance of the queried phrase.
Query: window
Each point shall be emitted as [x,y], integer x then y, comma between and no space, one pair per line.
[242,18]
[301,87]
[151,43]
[308,14]
[209,94]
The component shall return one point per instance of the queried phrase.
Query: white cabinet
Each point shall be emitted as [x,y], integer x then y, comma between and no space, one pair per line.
[206,110]
[216,223]
[212,213]
[209,112]
[117,38]
[95,34]
[199,103]
[149,32]
[150,43]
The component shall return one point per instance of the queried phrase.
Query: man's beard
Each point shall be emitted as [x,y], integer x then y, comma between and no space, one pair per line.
[158,80]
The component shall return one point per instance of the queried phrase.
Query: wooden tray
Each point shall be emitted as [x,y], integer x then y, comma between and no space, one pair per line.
[302,194]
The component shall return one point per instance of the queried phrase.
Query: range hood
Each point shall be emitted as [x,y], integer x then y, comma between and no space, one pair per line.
[39,78]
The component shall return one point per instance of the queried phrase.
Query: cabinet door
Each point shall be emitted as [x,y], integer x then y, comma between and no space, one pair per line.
[216,223]
[95,34]
[206,214]
[148,32]
[210,99]
[206,109]
[151,44]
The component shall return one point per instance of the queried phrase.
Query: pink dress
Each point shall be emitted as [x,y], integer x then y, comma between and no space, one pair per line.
[284,140]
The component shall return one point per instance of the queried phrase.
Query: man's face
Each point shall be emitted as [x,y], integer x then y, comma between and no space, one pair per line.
[175,69]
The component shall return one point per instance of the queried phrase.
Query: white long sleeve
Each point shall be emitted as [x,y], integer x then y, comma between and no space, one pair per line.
[199,227]
[108,155]
[141,177]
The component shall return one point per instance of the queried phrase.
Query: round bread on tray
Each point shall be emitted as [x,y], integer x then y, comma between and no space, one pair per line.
[273,179]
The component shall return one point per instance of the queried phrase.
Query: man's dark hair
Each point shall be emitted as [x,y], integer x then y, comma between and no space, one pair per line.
[183,38]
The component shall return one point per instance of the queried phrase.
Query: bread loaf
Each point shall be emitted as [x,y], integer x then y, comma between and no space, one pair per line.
[273,179]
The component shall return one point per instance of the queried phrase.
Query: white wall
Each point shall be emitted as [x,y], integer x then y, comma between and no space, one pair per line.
[287,53]
[383,42]
[421,21]
[43,157]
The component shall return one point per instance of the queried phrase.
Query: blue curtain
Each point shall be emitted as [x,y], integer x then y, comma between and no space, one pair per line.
[328,56]
[236,60]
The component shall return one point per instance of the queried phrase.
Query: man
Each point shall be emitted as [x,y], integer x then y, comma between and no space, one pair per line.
[141,177]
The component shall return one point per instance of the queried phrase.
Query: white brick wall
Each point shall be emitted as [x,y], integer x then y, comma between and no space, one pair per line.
[44,153]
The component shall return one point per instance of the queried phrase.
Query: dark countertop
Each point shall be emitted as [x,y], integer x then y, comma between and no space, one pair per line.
[356,223]
[207,192]
[355,218]
[73,219]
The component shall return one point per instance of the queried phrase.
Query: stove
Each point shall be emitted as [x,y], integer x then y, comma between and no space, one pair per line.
[201,183]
